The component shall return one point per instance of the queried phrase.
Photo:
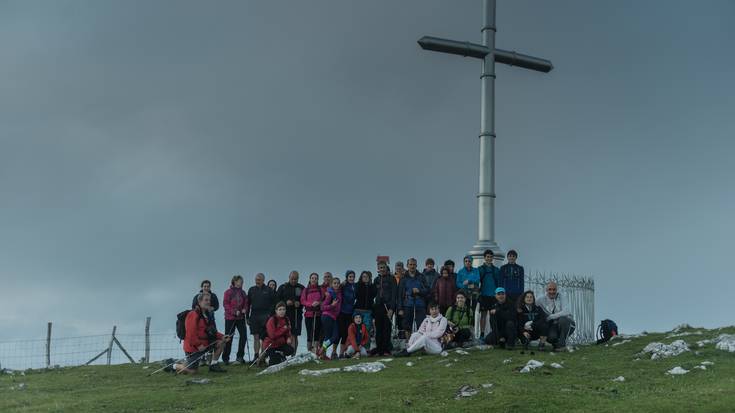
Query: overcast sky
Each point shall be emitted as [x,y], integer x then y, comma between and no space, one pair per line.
[147,145]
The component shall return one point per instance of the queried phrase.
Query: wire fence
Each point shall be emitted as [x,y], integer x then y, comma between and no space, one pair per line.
[579,293]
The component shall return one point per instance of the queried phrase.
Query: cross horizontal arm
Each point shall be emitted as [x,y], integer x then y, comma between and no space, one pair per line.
[521,60]
[437,44]
[479,51]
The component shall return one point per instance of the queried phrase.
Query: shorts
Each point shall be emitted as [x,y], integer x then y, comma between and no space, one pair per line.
[257,324]
[193,359]
[487,302]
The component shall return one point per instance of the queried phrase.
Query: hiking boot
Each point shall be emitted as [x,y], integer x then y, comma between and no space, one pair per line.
[215,368]
[168,365]
[226,362]
[240,360]
[403,353]
[541,346]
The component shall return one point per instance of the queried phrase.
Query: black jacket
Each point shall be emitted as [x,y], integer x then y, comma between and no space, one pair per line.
[504,312]
[289,292]
[386,291]
[534,314]
[213,300]
[262,300]
[365,296]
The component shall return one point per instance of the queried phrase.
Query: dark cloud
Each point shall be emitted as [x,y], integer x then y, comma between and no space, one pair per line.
[148,145]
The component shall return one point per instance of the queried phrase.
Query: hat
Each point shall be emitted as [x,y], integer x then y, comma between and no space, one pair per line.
[500,290]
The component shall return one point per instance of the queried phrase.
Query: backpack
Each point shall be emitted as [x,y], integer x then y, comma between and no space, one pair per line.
[606,330]
[181,324]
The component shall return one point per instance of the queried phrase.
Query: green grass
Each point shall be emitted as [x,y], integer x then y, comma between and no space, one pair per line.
[584,384]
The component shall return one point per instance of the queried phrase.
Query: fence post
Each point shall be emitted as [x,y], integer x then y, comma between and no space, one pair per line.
[147,339]
[48,346]
[109,348]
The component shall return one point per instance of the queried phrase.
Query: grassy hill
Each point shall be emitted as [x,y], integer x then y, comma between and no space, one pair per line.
[584,384]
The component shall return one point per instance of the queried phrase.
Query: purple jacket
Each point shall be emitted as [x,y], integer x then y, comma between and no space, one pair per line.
[332,303]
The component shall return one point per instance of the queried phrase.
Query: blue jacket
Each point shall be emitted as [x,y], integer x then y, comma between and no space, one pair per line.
[349,296]
[473,276]
[512,279]
[406,297]
[489,276]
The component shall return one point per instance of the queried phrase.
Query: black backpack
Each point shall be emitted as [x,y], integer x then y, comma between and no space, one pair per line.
[606,330]
[181,324]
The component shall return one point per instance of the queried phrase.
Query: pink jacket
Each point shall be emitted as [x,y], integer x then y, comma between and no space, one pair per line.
[235,299]
[308,296]
[433,328]
[331,305]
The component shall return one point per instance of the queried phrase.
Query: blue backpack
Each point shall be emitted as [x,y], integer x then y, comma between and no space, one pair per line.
[606,331]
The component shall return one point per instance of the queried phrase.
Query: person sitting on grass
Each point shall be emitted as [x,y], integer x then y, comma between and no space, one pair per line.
[460,316]
[357,338]
[201,337]
[330,311]
[428,337]
[503,320]
[532,323]
[278,342]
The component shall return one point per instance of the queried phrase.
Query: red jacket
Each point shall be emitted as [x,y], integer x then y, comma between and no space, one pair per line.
[279,330]
[235,299]
[445,290]
[196,331]
[352,336]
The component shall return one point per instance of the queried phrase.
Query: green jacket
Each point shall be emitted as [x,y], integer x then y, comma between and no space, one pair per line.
[462,318]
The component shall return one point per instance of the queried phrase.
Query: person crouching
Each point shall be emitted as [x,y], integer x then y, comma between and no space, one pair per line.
[278,342]
[357,338]
[201,337]
[429,334]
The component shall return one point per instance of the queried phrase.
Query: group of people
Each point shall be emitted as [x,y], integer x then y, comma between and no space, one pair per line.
[358,316]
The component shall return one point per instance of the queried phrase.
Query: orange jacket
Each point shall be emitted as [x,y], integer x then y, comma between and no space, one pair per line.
[352,336]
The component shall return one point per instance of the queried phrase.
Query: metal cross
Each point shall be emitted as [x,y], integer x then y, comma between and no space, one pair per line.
[489,55]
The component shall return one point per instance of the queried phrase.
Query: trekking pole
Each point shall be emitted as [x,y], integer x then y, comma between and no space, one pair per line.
[182,359]
[413,325]
[260,356]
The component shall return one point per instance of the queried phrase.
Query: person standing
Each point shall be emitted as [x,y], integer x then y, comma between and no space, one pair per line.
[412,292]
[430,274]
[237,307]
[290,293]
[468,279]
[262,302]
[331,305]
[273,285]
[365,299]
[558,316]
[326,282]
[349,297]
[512,277]
[489,275]
[206,287]
[385,304]
[445,289]
[311,300]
